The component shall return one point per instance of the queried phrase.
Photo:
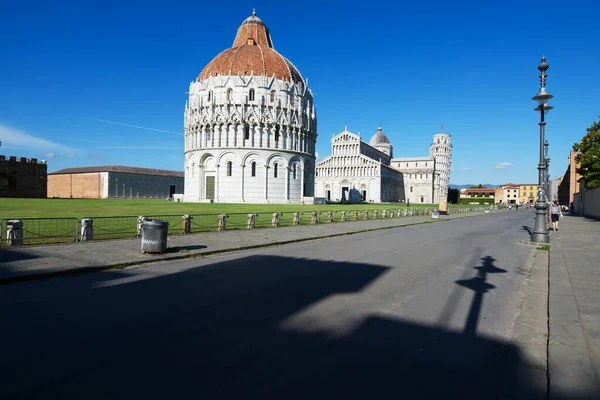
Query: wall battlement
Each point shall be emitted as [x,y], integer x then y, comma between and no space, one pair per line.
[23,177]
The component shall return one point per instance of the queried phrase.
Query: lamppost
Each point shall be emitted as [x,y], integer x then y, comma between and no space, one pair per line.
[547,171]
[540,231]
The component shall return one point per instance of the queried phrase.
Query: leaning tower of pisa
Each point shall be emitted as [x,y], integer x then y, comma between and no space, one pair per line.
[441,151]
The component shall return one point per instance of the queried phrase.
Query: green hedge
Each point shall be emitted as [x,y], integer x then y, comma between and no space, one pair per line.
[479,200]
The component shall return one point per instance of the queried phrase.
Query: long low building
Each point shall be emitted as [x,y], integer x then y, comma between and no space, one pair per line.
[114,181]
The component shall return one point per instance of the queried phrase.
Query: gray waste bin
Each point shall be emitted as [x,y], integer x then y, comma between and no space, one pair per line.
[154,236]
[435,214]
[487,210]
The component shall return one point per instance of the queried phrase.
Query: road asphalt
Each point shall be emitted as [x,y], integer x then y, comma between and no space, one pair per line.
[457,309]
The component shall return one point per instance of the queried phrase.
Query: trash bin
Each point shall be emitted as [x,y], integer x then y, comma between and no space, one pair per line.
[14,232]
[487,210]
[154,236]
[435,214]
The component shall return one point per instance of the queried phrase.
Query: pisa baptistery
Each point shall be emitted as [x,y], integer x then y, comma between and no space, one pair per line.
[250,126]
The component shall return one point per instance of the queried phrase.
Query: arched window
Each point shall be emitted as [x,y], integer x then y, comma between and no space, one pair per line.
[253,168]
[247,132]
[229,168]
[209,96]
[406,165]
[272,96]
[294,171]
[251,95]
[277,134]
[229,94]
[275,170]
[421,176]
[411,189]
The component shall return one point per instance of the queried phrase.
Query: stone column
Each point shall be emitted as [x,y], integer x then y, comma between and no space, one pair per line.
[242,181]
[266,183]
[287,182]
[217,185]
[240,135]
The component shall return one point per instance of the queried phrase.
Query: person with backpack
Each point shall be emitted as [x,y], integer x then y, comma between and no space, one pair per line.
[556,213]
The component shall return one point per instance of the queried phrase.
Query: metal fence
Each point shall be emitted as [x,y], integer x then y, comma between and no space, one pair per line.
[62,230]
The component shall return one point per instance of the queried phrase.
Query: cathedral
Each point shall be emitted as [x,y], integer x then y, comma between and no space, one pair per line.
[250,126]
[356,171]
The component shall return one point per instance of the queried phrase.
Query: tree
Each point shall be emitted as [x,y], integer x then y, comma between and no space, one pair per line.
[588,156]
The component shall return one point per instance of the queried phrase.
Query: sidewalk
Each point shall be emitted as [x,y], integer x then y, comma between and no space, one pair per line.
[31,262]
[574,309]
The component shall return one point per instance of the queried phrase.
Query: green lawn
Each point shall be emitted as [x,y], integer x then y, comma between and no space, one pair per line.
[55,208]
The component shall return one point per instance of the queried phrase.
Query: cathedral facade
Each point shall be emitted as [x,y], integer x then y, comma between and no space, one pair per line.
[250,126]
[356,171]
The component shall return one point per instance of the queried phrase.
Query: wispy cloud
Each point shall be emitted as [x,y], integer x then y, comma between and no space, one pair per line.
[129,125]
[18,139]
[467,169]
[503,165]
[140,147]
[50,156]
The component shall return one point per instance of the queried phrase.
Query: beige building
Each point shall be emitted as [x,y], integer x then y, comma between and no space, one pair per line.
[510,193]
[528,193]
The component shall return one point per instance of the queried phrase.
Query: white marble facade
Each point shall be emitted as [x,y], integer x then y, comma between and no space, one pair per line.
[356,171]
[250,137]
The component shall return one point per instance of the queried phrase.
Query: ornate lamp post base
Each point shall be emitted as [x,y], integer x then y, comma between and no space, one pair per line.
[540,231]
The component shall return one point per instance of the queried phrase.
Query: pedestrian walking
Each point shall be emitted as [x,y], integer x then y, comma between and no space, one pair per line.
[556,213]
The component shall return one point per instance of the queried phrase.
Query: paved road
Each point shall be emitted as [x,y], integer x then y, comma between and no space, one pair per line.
[418,312]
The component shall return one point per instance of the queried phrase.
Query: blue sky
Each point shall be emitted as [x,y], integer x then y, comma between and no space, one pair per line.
[67,67]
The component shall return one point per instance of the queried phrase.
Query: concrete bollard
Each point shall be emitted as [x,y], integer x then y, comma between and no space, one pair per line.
[251,221]
[411,213]
[140,224]
[375,214]
[14,232]
[405,213]
[356,215]
[329,216]
[222,222]
[186,224]
[384,214]
[343,216]
[87,229]
[366,215]
[314,218]
[398,213]
[297,218]
[275,219]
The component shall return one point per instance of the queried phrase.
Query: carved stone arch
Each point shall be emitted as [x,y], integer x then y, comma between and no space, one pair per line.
[252,117]
[204,157]
[253,154]
[276,157]
[228,156]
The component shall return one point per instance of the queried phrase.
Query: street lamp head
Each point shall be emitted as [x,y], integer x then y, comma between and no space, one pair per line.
[547,107]
[542,97]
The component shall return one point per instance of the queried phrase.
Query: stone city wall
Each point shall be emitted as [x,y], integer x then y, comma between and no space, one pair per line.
[22,177]
[588,202]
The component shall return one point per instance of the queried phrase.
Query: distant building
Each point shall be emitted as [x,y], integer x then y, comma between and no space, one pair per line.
[528,193]
[479,193]
[510,193]
[359,171]
[569,186]
[22,177]
[114,181]
[554,185]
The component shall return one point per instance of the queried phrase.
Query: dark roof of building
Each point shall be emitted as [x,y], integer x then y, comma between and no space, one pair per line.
[119,168]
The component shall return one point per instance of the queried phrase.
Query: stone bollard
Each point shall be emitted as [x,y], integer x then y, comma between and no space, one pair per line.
[251,221]
[186,224]
[366,215]
[398,213]
[411,213]
[222,222]
[14,232]
[275,219]
[375,214]
[329,216]
[405,213]
[384,214]
[87,229]
[297,218]
[343,216]
[315,218]
[140,224]
[356,215]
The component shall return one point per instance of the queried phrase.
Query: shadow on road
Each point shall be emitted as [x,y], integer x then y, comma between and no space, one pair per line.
[222,331]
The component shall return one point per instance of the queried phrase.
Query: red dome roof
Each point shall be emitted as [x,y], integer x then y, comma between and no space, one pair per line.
[252,54]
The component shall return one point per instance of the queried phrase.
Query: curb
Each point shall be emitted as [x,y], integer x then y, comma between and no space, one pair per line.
[119,266]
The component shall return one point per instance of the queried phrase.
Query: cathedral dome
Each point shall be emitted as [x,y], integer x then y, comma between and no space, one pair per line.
[379,138]
[252,53]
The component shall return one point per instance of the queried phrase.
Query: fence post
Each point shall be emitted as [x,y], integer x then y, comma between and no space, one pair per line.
[87,229]
[140,223]
[14,232]
[343,216]
[384,214]
[329,216]
[297,218]
[222,222]
[186,224]
[315,217]
[375,214]
[366,215]
[251,222]
[275,219]
[356,215]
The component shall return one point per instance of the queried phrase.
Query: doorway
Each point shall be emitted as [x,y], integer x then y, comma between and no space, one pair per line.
[328,195]
[210,187]
[171,191]
[363,195]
